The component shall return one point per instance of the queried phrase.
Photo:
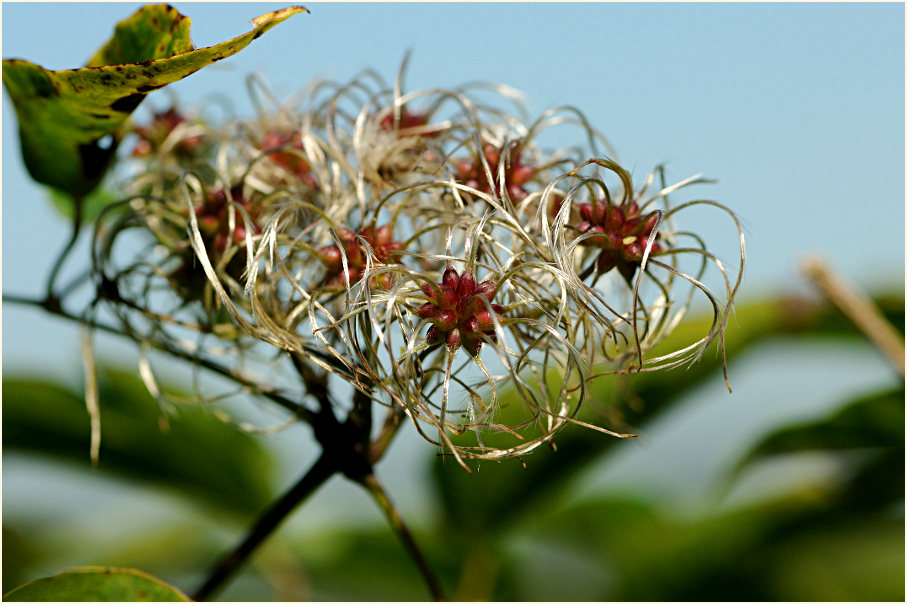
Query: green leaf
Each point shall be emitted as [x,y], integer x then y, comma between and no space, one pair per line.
[70,121]
[197,454]
[869,432]
[635,551]
[97,584]
[868,422]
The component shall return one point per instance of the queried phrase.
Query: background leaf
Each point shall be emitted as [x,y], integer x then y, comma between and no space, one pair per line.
[97,584]
[866,436]
[513,534]
[624,404]
[484,513]
[868,422]
[65,117]
[199,454]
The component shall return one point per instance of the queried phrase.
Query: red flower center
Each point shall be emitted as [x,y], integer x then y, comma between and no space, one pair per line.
[458,309]
[213,217]
[621,232]
[516,174]
[283,147]
[384,250]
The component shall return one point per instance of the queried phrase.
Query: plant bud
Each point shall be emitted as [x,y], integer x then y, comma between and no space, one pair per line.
[585,212]
[516,191]
[430,290]
[486,289]
[634,250]
[346,235]
[448,297]
[331,256]
[599,212]
[383,236]
[473,346]
[463,169]
[428,311]
[467,285]
[484,320]
[650,223]
[208,225]
[451,278]
[453,340]
[521,174]
[492,154]
[614,220]
[447,319]
[627,270]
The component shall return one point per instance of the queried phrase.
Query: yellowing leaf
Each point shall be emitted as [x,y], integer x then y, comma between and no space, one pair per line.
[70,120]
[154,32]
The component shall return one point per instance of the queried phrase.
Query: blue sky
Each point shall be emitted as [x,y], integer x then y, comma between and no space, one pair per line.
[796,109]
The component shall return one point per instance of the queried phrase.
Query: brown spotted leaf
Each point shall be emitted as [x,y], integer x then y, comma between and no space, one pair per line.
[153,32]
[70,121]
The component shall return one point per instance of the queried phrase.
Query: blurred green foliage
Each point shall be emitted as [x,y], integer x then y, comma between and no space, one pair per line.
[509,532]
[187,449]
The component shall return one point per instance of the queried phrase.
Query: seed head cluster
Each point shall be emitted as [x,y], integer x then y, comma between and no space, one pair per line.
[621,233]
[460,311]
[348,231]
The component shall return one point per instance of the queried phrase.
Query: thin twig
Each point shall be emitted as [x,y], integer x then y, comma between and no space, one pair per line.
[292,406]
[317,475]
[373,486]
[859,308]
[51,297]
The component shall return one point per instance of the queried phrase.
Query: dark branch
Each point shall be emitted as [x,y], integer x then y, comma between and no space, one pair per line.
[317,475]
